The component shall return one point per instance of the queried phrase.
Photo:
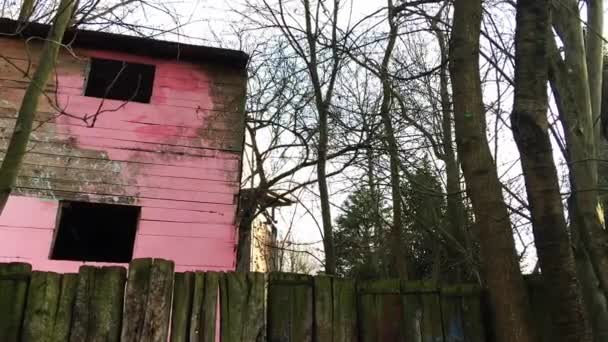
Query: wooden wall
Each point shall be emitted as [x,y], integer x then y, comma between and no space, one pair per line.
[177,157]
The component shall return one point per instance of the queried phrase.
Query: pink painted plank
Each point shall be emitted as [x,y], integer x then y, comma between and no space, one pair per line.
[190,216]
[25,242]
[220,232]
[186,250]
[192,268]
[170,204]
[141,192]
[60,266]
[144,170]
[19,209]
[82,106]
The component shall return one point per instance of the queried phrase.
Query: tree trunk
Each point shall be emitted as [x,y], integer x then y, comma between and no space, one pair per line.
[23,127]
[397,267]
[529,124]
[569,81]
[26,10]
[455,207]
[507,293]
[595,59]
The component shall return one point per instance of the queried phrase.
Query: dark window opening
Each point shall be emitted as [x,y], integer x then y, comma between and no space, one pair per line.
[119,80]
[95,232]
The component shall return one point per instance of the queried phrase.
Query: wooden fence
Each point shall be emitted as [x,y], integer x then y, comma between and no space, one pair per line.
[152,303]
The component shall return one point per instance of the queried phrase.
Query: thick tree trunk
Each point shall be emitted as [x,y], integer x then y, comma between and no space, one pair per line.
[507,293]
[23,127]
[529,123]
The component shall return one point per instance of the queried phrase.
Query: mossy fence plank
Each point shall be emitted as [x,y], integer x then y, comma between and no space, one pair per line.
[42,301]
[65,308]
[381,311]
[98,306]
[242,307]
[290,308]
[182,306]
[14,281]
[209,306]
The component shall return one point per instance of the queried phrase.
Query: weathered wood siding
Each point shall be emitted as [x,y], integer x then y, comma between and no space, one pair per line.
[177,157]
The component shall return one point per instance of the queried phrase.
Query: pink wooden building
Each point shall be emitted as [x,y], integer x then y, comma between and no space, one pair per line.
[136,153]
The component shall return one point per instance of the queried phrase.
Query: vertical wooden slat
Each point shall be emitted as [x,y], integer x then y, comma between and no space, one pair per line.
[182,306]
[344,310]
[472,314]
[290,308]
[42,300]
[412,316]
[65,308]
[431,317]
[98,304]
[210,306]
[451,300]
[148,301]
[378,300]
[14,280]
[158,308]
[335,309]
[324,324]
[198,294]
[242,307]
[136,297]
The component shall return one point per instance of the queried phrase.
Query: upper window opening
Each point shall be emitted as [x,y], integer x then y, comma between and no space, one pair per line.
[95,232]
[119,80]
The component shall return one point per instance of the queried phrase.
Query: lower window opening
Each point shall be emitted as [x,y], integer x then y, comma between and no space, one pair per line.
[95,232]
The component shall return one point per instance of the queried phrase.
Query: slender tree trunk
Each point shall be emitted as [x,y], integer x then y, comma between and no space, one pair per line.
[23,127]
[455,206]
[529,123]
[569,81]
[322,103]
[595,59]
[507,293]
[27,8]
[397,267]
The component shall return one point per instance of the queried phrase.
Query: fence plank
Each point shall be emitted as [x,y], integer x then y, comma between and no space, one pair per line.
[324,329]
[183,289]
[431,318]
[198,294]
[472,314]
[242,307]
[381,310]
[290,308]
[158,306]
[210,306]
[136,299]
[14,280]
[335,309]
[65,308]
[98,304]
[452,315]
[42,300]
